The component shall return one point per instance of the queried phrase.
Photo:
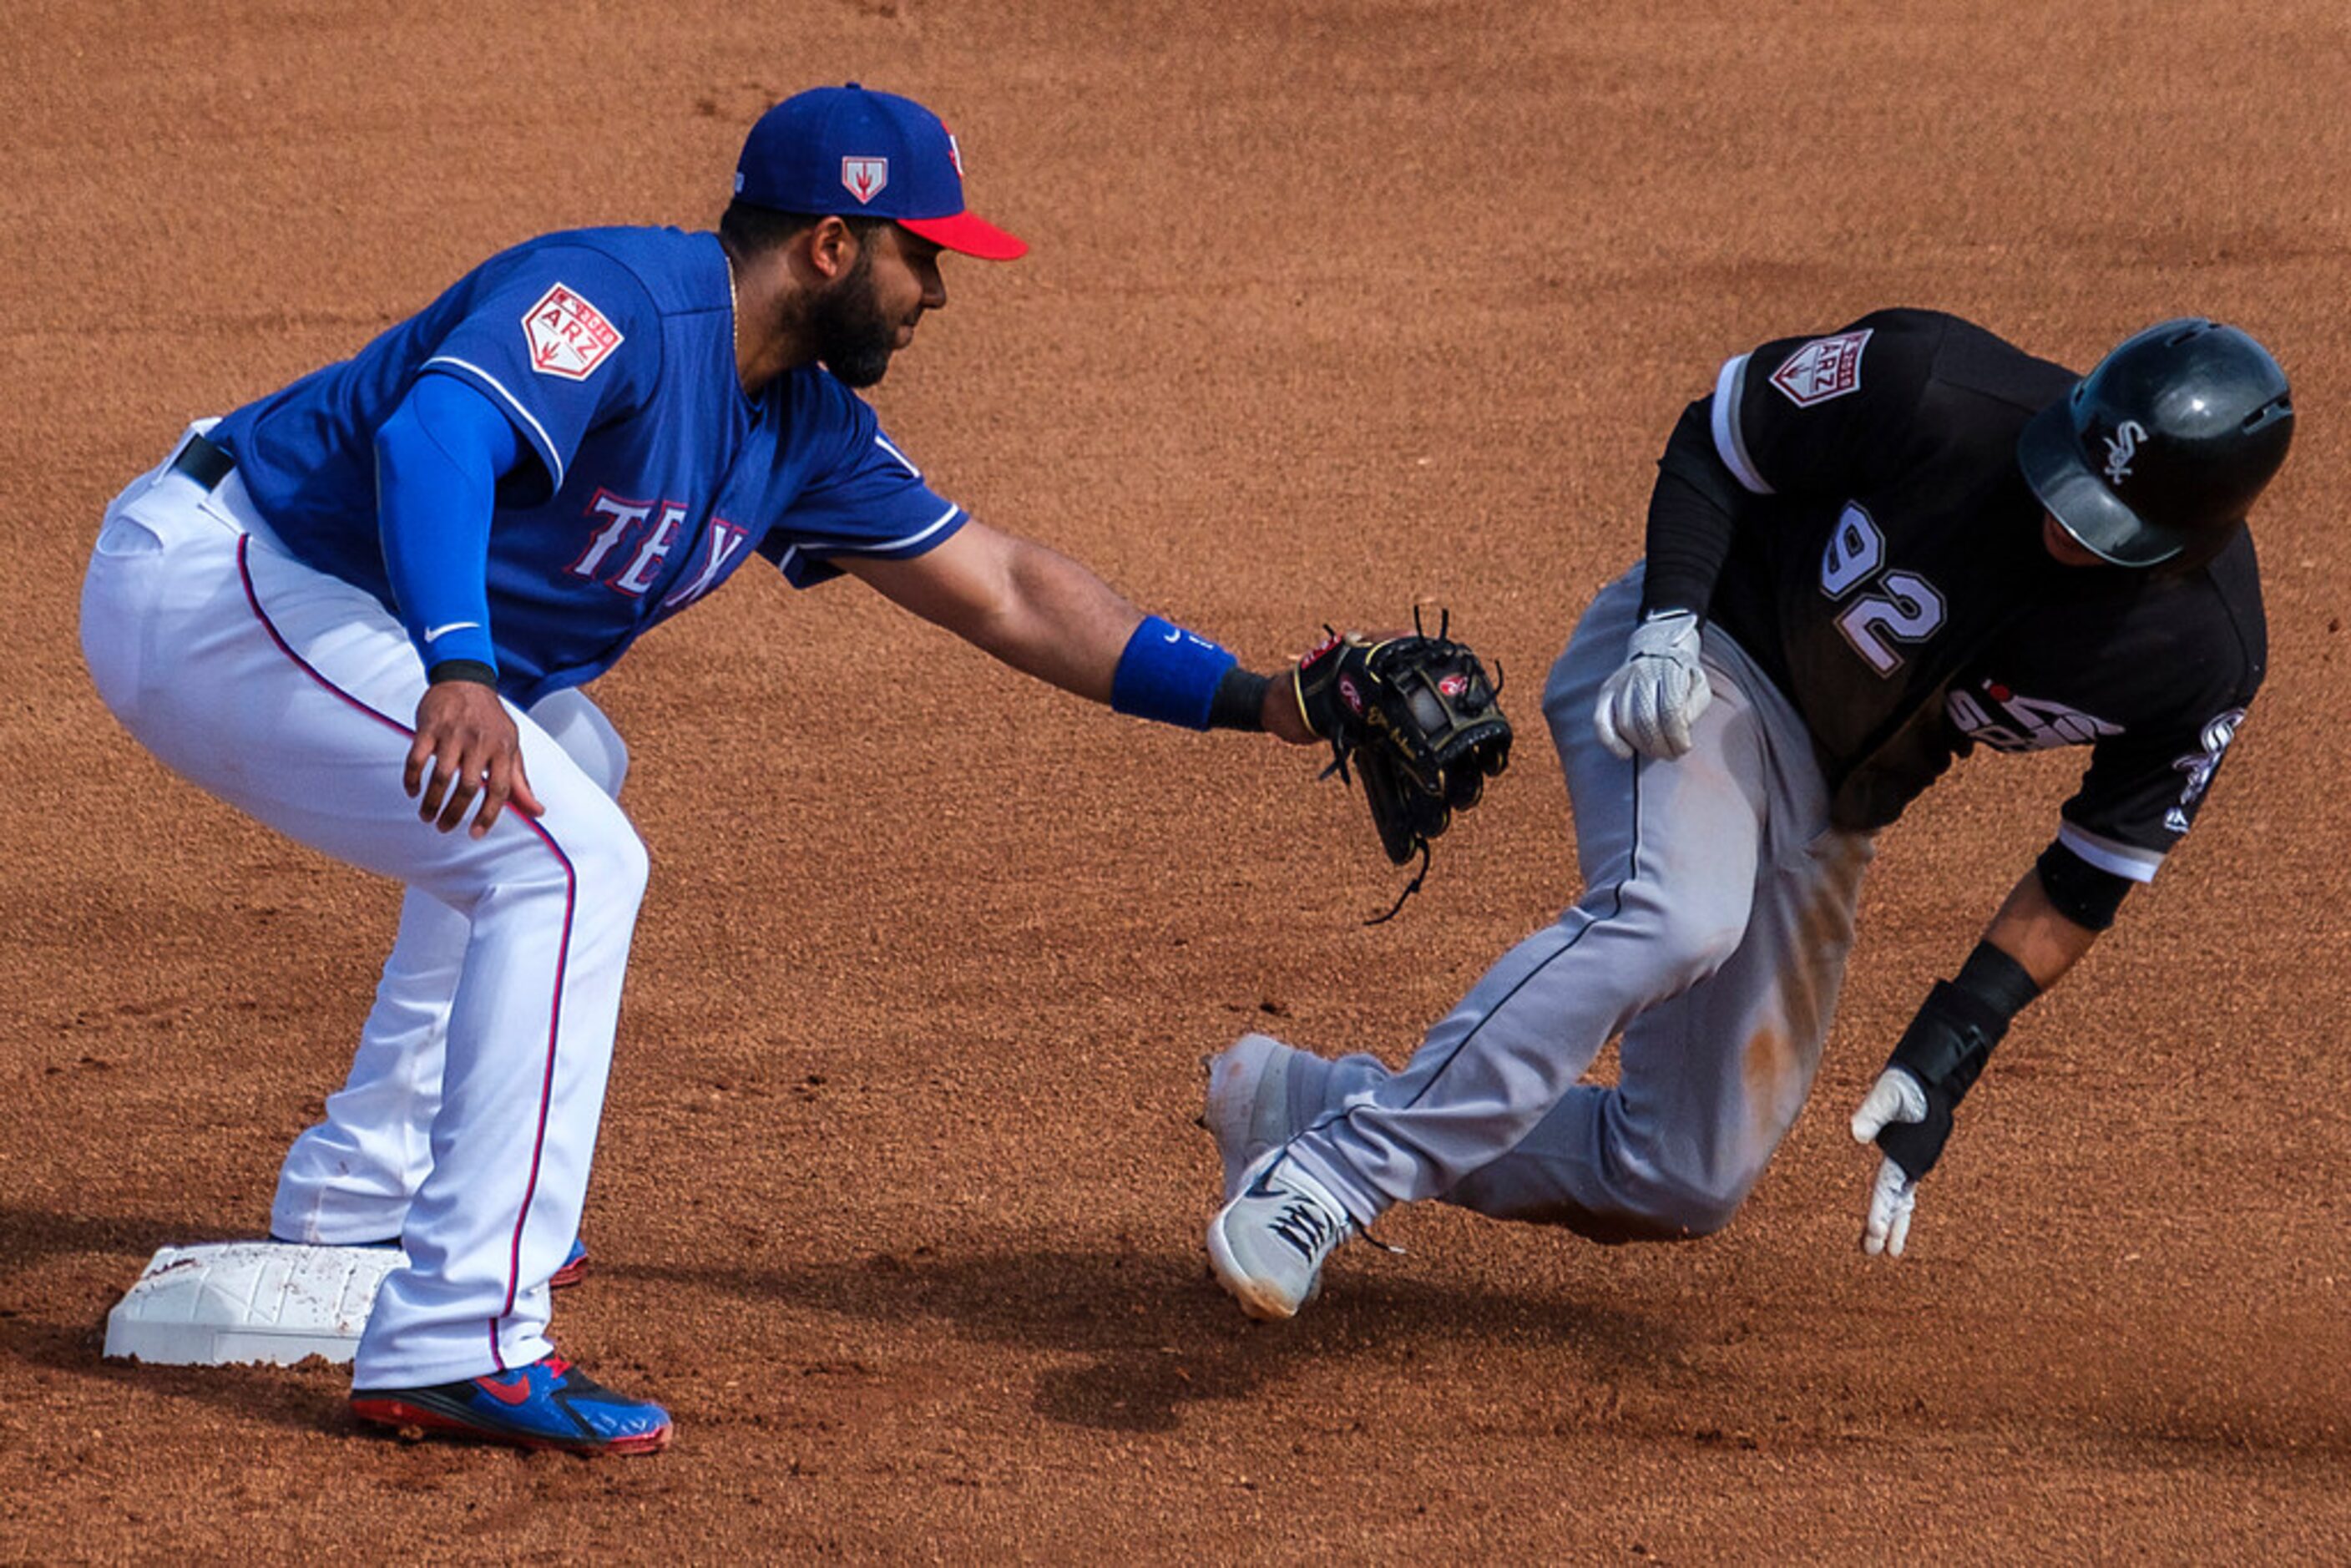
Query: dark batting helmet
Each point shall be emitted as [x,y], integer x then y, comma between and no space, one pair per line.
[2157,453]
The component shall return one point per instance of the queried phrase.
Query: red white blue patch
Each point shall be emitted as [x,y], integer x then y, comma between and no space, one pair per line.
[863,178]
[568,337]
[1823,369]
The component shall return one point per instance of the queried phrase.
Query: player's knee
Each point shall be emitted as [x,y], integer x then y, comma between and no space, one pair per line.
[612,867]
[1670,1188]
[630,868]
[1706,1214]
[1659,1216]
[1654,1216]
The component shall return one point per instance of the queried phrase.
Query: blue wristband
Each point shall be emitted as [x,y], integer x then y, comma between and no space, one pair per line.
[1169,674]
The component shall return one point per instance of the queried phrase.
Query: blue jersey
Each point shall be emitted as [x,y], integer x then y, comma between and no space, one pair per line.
[651,474]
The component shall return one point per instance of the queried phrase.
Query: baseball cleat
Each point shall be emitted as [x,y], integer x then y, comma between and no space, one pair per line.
[551,1403]
[1268,1244]
[575,1267]
[1248,1104]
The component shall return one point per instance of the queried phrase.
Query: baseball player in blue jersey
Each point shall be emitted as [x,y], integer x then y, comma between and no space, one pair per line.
[361,607]
[1870,551]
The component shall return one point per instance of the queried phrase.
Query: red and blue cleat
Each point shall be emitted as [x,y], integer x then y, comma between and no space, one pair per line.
[575,1267]
[551,1403]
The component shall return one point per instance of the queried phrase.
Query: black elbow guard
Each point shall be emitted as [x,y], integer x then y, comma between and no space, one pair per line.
[2079,890]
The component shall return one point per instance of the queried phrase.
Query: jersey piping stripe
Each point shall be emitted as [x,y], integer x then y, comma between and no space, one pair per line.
[865,547]
[562,952]
[1729,444]
[2111,856]
[884,442]
[882,546]
[546,445]
[1616,908]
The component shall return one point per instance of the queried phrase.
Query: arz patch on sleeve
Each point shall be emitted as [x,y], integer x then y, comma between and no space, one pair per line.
[568,337]
[1823,369]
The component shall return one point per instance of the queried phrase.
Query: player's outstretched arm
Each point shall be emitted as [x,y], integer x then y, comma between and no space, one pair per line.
[1051,617]
[2028,947]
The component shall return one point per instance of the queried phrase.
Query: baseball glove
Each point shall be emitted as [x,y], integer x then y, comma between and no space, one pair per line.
[1417,718]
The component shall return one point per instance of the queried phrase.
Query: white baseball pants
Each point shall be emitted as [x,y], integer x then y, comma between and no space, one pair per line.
[469,1122]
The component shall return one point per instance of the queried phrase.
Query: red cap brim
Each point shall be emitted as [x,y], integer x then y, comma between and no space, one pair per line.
[968,234]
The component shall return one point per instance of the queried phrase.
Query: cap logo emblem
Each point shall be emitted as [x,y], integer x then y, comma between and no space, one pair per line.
[955,154]
[864,177]
[2122,446]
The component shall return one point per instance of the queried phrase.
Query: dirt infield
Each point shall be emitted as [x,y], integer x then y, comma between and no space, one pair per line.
[1333,308]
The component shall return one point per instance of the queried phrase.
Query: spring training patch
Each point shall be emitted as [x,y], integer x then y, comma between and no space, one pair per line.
[568,337]
[1823,369]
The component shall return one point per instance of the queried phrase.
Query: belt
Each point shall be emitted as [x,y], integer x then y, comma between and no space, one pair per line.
[204,461]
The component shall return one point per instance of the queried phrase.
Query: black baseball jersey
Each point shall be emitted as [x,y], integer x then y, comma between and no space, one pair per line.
[1887,569]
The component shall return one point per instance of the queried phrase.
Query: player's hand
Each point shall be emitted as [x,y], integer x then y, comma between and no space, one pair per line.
[468,742]
[1896,1100]
[1652,701]
[1286,705]
[1282,717]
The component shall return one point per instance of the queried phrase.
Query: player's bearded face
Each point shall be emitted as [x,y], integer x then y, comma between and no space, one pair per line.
[852,336]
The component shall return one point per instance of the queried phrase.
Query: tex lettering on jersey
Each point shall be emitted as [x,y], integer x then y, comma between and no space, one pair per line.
[629,546]
[567,336]
[1823,369]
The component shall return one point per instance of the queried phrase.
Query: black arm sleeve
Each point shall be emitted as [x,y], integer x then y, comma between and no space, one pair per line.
[1691,514]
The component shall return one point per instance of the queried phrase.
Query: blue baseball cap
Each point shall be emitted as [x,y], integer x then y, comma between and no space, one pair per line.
[856,153]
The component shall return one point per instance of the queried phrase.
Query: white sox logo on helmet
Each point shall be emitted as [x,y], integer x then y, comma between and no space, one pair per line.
[2122,446]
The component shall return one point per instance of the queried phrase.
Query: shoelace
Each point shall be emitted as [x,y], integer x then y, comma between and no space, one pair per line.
[1305,1227]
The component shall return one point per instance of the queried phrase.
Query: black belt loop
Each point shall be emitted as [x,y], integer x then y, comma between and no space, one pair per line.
[206,462]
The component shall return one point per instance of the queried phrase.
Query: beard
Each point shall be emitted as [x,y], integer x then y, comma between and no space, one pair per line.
[849,332]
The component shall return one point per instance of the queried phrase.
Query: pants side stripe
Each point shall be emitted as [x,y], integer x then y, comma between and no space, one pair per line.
[562,952]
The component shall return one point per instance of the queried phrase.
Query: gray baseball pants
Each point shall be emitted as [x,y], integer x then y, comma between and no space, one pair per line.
[1717,915]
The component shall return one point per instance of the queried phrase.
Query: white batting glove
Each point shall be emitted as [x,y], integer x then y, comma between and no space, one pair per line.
[1652,700]
[1895,1097]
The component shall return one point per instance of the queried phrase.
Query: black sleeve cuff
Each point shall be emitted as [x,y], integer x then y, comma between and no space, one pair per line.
[472,669]
[1239,700]
[2079,890]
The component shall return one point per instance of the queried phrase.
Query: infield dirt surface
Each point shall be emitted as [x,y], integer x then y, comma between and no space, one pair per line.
[1334,309]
